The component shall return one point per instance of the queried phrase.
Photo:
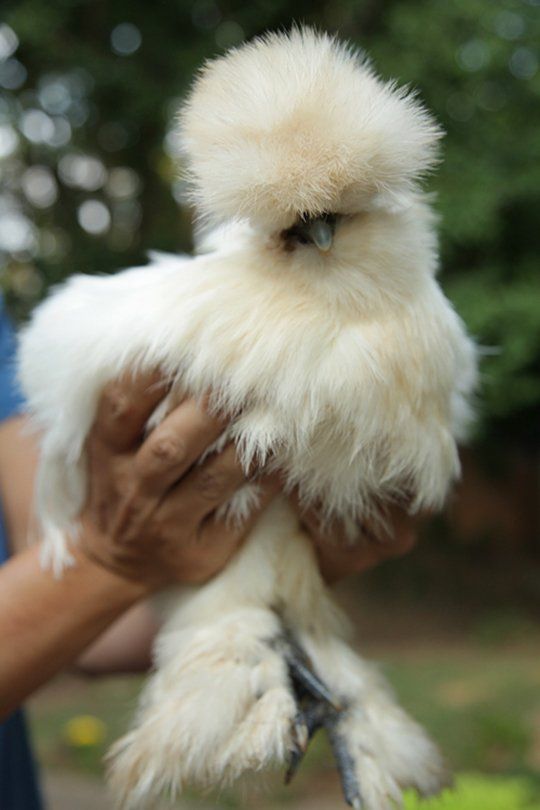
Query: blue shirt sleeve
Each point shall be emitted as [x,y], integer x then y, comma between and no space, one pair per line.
[19,789]
[11,398]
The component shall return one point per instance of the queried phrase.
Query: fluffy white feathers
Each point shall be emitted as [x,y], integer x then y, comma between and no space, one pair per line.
[351,369]
[299,123]
[347,367]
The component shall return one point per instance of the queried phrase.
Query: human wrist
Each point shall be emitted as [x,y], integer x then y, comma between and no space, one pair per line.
[133,564]
[110,583]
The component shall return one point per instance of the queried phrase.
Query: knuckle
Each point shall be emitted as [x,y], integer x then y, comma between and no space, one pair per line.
[116,404]
[168,449]
[211,484]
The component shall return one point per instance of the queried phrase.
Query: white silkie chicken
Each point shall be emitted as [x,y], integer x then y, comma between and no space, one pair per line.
[318,326]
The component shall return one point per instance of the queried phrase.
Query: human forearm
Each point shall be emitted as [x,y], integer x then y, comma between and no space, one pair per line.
[45,623]
[125,646]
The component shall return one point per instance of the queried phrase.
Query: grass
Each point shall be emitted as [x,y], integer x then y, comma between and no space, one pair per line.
[482,705]
[478,792]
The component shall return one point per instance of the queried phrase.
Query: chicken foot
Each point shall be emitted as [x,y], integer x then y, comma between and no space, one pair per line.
[317,708]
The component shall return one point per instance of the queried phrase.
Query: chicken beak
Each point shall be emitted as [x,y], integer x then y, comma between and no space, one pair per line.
[321,232]
[318,231]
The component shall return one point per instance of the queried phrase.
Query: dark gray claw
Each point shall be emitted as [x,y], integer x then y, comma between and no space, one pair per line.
[311,682]
[311,718]
[345,764]
[317,708]
[301,671]
[295,758]
[301,732]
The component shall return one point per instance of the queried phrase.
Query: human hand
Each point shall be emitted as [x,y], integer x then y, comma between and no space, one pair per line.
[338,557]
[150,515]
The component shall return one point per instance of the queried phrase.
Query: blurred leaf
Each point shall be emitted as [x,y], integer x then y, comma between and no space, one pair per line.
[476,792]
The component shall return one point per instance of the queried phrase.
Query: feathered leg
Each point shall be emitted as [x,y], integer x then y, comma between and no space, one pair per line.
[220,702]
[379,749]
[233,663]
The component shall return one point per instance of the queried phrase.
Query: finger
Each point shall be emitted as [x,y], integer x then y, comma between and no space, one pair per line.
[175,445]
[396,534]
[337,562]
[404,539]
[207,487]
[125,406]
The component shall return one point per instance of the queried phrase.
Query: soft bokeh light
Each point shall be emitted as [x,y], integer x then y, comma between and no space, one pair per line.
[9,41]
[17,233]
[39,186]
[62,132]
[125,39]
[8,140]
[123,183]
[78,112]
[473,55]
[84,730]
[37,126]
[94,217]
[509,25]
[179,191]
[82,171]
[54,94]
[173,143]
[12,74]
[523,63]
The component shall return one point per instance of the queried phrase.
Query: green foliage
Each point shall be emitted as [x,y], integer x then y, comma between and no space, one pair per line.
[503,626]
[474,62]
[482,708]
[476,792]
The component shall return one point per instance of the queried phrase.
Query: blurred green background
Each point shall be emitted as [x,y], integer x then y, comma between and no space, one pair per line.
[90,181]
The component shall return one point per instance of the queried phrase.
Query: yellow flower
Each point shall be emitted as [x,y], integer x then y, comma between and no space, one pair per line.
[84,730]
